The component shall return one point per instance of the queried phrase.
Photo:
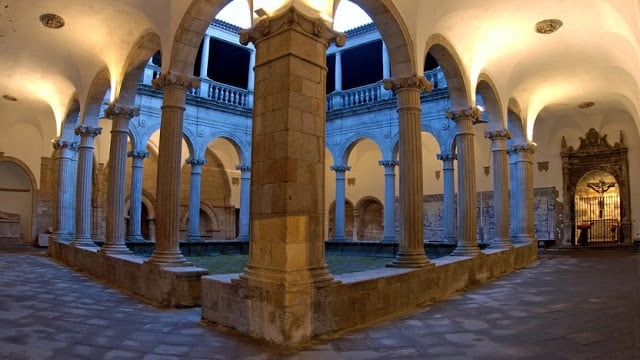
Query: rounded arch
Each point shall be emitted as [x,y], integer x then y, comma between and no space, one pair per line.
[143,48]
[30,210]
[95,96]
[492,104]
[451,64]
[369,217]
[515,122]
[352,142]
[244,156]
[71,119]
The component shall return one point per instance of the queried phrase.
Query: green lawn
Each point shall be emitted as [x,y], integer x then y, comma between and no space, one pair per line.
[338,264]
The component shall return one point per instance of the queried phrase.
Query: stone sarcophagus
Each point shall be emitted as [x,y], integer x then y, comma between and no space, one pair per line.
[9,226]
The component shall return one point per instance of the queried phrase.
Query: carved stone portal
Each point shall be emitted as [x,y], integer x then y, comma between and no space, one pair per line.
[596,192]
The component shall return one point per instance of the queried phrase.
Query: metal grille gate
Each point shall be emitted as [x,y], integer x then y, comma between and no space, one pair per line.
[597,220]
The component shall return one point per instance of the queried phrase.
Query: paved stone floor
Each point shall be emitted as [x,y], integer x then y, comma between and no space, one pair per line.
[569,305]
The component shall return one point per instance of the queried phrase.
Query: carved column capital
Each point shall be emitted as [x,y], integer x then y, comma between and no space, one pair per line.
[65,144]
[527,147]
[498,134]
[243,167]
[340,168]
[138,154]
[447,156]
[388,163]
[167,79]
[414,81]
[84,130]
[196,162]
[470,113]
[288,20]
[114,110]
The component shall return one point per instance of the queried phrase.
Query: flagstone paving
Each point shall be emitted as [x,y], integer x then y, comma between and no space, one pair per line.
[569,305]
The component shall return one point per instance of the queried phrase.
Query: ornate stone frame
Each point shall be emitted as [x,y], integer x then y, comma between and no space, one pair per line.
[594,153]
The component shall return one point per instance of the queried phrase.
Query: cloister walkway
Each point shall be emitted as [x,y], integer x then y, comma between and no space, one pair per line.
[569,305]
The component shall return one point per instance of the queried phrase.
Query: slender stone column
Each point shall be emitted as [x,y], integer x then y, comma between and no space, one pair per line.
[251,80]
[135,198]
[389,198]
[116,175]
[85,181]
[466,214]
[245,191]
[338,72]
[386,68]
[522,193]
[449,198]
[193,233]
[411,252]
[175,86]
[339,213]
[65,150]
[500,186]
[204,59]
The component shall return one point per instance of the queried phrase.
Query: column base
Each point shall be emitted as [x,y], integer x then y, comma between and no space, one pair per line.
[168,258]
[451,240]
[64,237]
[466,250]
[405,259]
[523,239]
[115,249]
[136,238]
[84,242]
[500,244]
[389,239]
[314,277]
[242,238]
[341,239]
[194,238]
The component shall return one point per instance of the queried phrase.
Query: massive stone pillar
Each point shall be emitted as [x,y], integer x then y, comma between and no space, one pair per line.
[245,196]
[466,214]
[135,198]
[116,175]
[407,89]
[522,193]
[193,231]
[339,213]
[448,198]
[85,181]
[174,86]
[64,158]
[389,199]
[500,187]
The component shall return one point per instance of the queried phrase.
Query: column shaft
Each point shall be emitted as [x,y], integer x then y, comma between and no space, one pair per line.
[500,187]
[466,214]
[411,252]
[167,251]
[389,199]
[116,174]
[338,72]
[522,193]
[66,189]
[339,213]
[193,233]
[448,198]
[245,191]
[85,181]
[204,59]
[135,198]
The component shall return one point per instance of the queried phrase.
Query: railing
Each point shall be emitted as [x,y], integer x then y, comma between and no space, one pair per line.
[356,97]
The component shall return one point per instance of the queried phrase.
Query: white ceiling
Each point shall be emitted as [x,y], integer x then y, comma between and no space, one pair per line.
[595,56]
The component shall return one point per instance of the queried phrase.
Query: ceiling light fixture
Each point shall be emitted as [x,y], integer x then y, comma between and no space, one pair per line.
[9,97]
[586,104]
[548,26]
[52,21]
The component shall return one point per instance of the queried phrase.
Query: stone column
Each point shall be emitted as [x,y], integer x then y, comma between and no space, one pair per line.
[338,72]
[174,86]
[386,68]
[65,153]
[193,232]
[522,193]
[339,213]
[407,89]
[389,198]
[245,191]
[466,214]
[204,59]
[85,181]
[448,198]
[135,198]
[251,79]
[500,186]
[116,175]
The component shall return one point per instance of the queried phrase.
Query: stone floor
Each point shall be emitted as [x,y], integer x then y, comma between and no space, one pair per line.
[569,305]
